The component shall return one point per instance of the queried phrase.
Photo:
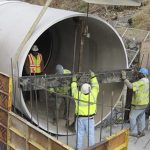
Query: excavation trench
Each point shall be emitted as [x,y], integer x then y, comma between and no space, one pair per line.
[55,36]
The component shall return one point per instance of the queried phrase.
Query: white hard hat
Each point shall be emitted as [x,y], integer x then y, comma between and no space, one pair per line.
[35,48]
[59,69]
[85,88]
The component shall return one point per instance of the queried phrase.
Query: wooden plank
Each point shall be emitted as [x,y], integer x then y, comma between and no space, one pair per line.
[4,83]
[4,88]
[16,131]
[10,95]
[18,127]
[38,139]
[18,142]
[99,146]
[4,100]
[33,138]
[3,117]
[37,145]
[117,141]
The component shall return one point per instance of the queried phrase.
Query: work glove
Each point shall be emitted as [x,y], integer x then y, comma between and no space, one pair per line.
[74,78]
[123,75]
[92,73]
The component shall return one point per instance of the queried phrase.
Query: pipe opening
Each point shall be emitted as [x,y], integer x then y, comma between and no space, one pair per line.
[102,51]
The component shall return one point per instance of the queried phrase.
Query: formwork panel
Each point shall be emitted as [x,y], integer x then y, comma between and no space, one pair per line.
[3,117]
[3,134]
[36,138]
[22,135]
[4,107]
[17,142]
[3,100]
[18,127]
[4,83]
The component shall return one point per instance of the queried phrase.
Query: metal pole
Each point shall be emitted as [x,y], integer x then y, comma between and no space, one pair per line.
[147,61]
[112,95]
[88,117]
[123,96]
[46,102]
[67,119]
[102,103]
[74,49]
[19,87]
[36,102]
[56,115]
[31,97]
[77,117]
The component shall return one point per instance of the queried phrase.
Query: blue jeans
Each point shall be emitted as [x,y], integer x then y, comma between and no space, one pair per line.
[137,120]
[82,127]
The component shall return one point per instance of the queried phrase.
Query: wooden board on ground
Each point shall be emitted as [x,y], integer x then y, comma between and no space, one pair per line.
[117,141]
[145,54]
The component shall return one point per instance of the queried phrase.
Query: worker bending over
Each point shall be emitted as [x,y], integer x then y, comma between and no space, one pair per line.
[64,90]
[34,63]
[140,101]
[85,109]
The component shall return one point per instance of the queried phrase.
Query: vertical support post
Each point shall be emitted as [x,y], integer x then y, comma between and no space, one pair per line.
[36,99]
[102,105]
[76,121]
[56,114]
[111,119]
[31,98]
[46,100]
[20,104]
[67,105]
[88,118]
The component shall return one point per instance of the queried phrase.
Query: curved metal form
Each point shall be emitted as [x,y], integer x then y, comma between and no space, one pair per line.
[103,49]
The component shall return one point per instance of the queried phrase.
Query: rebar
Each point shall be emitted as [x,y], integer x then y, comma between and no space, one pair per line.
[101,127]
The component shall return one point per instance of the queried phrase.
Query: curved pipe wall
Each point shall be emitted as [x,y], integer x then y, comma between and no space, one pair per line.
[55,33]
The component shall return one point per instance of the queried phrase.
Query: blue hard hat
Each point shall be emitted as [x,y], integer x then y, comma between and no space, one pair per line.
[144,71]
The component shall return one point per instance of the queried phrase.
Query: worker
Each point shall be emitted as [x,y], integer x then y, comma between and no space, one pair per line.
[64,90]
[34,66]
[139,103]
[34,63]
[85,109]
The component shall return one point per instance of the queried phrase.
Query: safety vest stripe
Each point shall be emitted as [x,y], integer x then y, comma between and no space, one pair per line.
[31,59]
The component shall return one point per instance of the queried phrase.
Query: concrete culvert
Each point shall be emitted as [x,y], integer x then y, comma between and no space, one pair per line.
[55,37]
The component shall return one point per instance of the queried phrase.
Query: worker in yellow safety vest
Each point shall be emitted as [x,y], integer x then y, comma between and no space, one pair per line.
[85,109]
[63,90]
[34,62]
[139,103]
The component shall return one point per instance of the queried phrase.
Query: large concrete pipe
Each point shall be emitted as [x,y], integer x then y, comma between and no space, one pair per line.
[55,36]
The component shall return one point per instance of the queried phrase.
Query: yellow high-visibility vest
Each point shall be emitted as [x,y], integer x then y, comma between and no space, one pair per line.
[35,63]
[64,89]
[86,103]
[140,92]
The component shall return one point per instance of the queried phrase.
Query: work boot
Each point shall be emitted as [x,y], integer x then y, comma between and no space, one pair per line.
[141,134]
[134,134]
